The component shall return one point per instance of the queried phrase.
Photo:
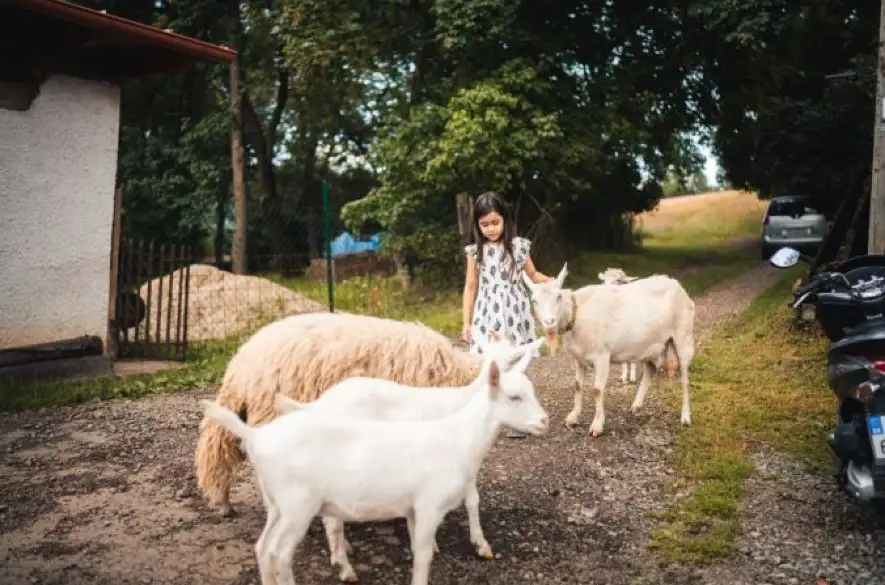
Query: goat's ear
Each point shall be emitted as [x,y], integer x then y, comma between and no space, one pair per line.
[531,352]
[494,379]
[632,278]
[560,278]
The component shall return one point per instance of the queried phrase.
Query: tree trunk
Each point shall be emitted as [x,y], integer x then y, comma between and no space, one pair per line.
[238,248]
[220,217]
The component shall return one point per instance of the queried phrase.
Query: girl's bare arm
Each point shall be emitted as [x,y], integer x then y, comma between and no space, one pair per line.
[470,282]
[534,274]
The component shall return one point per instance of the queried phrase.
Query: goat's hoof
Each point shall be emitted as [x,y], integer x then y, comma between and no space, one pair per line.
[636,408]
[348,575]
[485,551]
[571,421]
[686,420]
[596,430]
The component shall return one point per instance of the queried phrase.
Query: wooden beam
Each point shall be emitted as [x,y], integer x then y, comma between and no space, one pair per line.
[876,243]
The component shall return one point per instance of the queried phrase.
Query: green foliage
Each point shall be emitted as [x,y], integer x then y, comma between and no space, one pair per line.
[782,126]
[487,136]
[675,185]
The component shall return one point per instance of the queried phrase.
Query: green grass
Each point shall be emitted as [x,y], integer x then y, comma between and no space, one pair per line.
[693,244]
[758,379]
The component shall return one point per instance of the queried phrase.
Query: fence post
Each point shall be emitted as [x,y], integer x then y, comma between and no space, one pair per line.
[327,228]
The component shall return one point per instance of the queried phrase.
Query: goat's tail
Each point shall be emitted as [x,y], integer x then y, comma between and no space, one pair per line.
[228,419]
[284,404]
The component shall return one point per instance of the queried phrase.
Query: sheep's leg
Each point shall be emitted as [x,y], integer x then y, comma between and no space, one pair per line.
[477,538]
[601,366]
[639,400]
[338,548]
[425,524]
[410,526]
[580,370]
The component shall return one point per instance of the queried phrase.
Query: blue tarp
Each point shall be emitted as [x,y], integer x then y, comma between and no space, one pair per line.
[346,244]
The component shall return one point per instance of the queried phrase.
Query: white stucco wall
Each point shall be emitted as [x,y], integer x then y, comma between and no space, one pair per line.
[58,162]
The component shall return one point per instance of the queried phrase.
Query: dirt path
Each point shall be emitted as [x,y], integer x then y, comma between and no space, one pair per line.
[104,493]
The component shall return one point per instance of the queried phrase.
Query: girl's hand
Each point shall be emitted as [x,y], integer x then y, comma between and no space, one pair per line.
[465,333]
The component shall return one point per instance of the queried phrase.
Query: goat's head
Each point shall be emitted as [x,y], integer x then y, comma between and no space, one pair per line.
[615,276]
[512,392]
[549,302]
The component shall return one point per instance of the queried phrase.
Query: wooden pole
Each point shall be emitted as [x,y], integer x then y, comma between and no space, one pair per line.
[111,345]
[238,246]
[876,244]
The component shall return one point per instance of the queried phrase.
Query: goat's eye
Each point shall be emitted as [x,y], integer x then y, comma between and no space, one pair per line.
[515,398]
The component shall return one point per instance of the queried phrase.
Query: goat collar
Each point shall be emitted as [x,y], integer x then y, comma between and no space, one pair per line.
[571,323]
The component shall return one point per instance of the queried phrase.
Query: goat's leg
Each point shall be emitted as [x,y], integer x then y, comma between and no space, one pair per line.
[601,365]
[338,548]
[684,354]
[265,561]
[639,400]
[580,370]
[477,538]
[295,518]
[425,523]
[625,368]
[633,372]
[410,526]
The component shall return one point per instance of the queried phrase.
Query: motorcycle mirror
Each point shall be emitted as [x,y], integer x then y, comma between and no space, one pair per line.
[786,257]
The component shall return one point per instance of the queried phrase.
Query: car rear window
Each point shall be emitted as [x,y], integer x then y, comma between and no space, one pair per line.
[794,208]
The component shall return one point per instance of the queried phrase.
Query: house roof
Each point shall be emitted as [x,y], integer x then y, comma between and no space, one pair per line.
[59,36]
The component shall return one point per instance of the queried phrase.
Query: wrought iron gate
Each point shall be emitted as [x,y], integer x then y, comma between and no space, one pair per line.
[149,316]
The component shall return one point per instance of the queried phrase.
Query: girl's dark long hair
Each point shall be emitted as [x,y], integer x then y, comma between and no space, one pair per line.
[486,203]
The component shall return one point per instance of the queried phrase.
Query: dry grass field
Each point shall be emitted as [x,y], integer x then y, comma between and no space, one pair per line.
[699,210]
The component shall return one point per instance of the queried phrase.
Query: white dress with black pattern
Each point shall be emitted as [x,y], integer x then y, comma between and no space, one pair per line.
[502,302]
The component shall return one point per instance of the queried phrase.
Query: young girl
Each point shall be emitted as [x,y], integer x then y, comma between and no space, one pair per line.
[495,298]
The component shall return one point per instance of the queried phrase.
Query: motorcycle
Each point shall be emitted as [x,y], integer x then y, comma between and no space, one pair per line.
[849,304]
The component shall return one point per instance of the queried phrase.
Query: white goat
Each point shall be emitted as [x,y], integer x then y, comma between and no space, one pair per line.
[618,276]
[631,322]
[356,469]
[380,399]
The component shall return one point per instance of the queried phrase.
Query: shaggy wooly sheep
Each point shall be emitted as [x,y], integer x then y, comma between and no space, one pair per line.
[303,355]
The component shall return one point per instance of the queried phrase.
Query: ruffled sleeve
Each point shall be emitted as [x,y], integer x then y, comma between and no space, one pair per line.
[521,247]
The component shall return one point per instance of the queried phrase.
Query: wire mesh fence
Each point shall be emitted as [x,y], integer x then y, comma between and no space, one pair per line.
[301,260]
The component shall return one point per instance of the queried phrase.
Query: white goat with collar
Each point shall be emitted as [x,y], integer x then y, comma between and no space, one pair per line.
[631,322]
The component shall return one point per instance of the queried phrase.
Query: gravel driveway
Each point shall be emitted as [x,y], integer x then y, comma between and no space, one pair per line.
[104,493]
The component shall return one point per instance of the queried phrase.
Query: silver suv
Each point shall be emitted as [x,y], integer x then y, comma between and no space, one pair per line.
[798,221]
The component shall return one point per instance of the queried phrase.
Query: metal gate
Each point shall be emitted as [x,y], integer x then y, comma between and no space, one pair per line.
[149,313]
